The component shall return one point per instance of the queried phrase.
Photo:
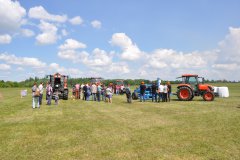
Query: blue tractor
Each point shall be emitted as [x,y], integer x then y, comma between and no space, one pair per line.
[148,92]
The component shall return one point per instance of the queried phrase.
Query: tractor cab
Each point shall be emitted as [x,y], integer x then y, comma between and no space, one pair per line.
[193,80]
[57,83]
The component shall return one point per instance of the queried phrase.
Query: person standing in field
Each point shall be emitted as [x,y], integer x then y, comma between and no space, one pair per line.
[103,93]
[128,94]
[56,98]
[94,91]
[160,92]
[109,94]
[85,92]
[49,93]
[35,95]
[165,92]
[88,92]
[142,92]
[41,93]
[99,90]
[77,89]
[154,92]
[82,85]
[117,89]
[169,91]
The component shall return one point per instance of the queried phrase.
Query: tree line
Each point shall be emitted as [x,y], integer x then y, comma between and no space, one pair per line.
[72,81]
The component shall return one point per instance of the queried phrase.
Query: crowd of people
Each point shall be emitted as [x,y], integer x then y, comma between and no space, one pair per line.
[37,95]
[161,92]
[99,92]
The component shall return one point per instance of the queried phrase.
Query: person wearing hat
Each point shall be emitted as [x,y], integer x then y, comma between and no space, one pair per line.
[142,92]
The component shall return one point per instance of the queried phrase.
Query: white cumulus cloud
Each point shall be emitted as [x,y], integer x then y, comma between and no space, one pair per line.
[5,67]
[39,12]
[11,14]
[48,35]
[162,58]
[118,68]
[229,48]
[5,39]
[71,44]
[232,66]
[76,20]
[71,55]
[64,32]
[27,33]
[22,61]
[130,51]
[96,24]
[73,72]
[97,58]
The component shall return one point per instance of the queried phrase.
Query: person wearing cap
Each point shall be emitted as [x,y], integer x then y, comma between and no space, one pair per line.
[142,92]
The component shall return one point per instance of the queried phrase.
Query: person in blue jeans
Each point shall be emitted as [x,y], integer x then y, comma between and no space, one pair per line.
[154,92]
[142,92]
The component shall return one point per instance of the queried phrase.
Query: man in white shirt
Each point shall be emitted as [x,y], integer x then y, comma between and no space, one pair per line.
[160,92]
[165,92]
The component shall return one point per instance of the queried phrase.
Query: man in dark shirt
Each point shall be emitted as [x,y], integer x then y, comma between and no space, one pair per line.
[85,89]
[169,91]
[142,92]
[154,92]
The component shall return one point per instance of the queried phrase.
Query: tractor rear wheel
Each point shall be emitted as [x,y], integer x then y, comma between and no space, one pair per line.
[185,94]
[208,96]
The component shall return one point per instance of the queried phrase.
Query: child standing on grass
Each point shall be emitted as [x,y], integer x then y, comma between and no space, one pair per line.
[56,98]
[49,93]
[109,94]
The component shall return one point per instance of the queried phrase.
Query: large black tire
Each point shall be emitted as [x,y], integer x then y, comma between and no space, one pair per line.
[134,96]
[191,97]
[208,96]
[65,95]
[185,94]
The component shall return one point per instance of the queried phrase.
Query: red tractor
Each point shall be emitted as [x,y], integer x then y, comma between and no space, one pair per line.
[59,85]
[191,86]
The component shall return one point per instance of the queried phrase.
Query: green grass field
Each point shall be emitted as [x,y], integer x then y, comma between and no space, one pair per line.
[92,130]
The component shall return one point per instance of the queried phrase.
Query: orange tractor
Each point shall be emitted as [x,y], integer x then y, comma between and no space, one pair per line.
[59,85]
[191,86]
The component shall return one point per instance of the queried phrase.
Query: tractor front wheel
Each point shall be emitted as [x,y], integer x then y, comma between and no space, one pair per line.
[65,94]
[208,96]
[185,94]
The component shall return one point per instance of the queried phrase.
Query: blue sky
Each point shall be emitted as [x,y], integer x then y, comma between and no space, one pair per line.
[120,38]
